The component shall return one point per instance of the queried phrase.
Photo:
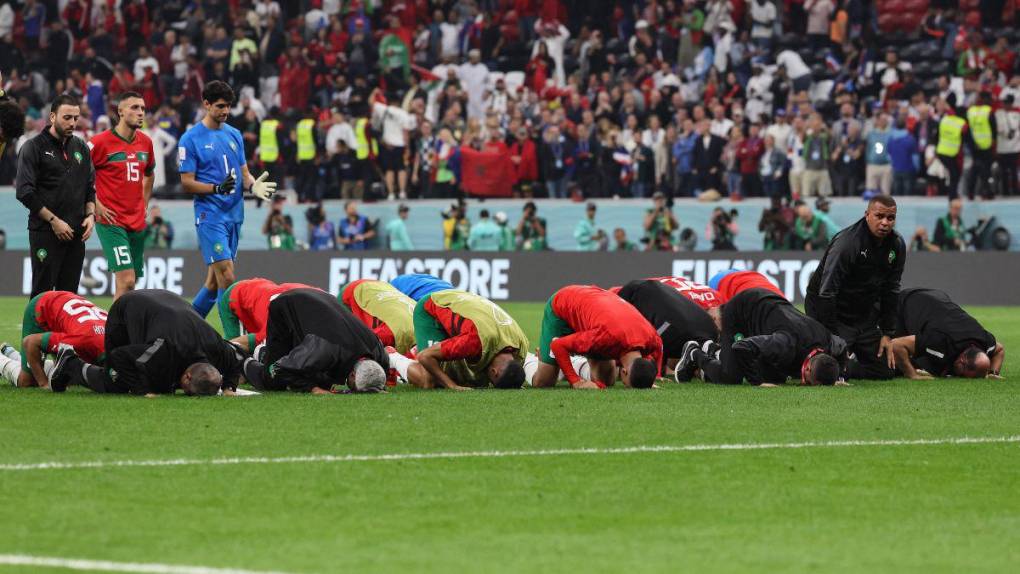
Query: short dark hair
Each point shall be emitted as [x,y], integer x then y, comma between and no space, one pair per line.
[824,369]
[64,99]
[484,213]
[205,379]
[217,90]
[882,199]
[530,205]
[969,357]
[128,96]
[642,373]
[512,377]
[12,120]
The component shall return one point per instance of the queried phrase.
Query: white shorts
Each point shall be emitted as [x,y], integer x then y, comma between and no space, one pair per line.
[531,363]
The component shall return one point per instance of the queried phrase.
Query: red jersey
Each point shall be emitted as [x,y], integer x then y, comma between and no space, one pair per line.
[734,283]
[706,297]
[71,321]
[604,326]
[464,341]
[249,302]
[120,168]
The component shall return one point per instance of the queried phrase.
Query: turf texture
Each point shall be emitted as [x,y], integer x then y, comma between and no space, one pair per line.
[891,508]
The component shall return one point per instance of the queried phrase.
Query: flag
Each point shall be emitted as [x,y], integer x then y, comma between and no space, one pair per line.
[485,174]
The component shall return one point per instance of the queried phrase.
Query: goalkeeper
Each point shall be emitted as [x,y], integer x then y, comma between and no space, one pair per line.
[210,156]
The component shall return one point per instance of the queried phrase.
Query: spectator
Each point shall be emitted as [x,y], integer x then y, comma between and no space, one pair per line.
[159,233]
[531,230]
[396,231]
[456,227]
[903,158]
[732,163]
[524,162]
[683,159]
[321,233]
[354,229]
[621,243]
[763,23]
[1007,142]
[950,234]
[394,123]
[278,227]
[749,156]
[659,220]
[818,15]
[556,161]
[816,150]
[445,182]
[643,164]
[474,75]
[878,172]
[588,237]
[770,168]
[708,152]
[810,231]
[485,235]
[846,162]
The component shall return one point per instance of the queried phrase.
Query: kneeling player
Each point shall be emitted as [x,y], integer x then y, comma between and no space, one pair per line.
[766,340]
[418,285]
[246,304]
[676,318]
[589,321]
[464,341]
[936,335]
[54,320]
[313,343]
[155,344]
[386,311]
[730,282]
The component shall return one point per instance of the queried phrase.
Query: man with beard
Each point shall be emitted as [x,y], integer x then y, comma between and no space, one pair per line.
[936,335]
[56,182]
[766,340]
[855,290]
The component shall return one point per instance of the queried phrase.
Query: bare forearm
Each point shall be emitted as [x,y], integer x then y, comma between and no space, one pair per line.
[998,359]
[147,189]
[430,361]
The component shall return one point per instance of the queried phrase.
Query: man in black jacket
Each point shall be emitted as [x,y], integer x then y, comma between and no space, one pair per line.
[155,344]
[854,292]
[56,182]
[934,334]
[708,158]
[314,342]
[676,318]
[12,119]
[766,340]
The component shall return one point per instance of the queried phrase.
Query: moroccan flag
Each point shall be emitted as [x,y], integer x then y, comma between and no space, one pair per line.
[485,174]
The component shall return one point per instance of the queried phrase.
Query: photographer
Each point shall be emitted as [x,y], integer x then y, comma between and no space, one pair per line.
[321,233]
[159,234]
[531,229]
[279,228]
[722,229]
[660,219]
[920,241]
[775,224]
[456,227]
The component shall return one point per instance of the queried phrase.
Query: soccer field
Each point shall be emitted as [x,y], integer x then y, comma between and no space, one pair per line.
[879,477]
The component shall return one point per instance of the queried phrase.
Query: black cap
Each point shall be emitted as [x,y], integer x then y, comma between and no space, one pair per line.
[403,208]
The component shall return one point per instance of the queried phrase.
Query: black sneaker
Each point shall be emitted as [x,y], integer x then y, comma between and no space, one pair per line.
[61,377]
[686,366]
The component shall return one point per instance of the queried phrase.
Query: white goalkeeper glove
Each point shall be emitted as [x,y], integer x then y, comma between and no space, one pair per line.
[263,189]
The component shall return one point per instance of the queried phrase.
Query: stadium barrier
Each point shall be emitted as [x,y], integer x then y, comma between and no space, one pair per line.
[982,278]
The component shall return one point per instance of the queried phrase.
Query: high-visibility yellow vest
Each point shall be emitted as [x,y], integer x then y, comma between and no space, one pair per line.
[306,139]
[950,135]
[980,126]
[362,140]
[269,149]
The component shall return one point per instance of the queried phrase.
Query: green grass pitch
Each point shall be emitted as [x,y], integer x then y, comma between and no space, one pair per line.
[879,508]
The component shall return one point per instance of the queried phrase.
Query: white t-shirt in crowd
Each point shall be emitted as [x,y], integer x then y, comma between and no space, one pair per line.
[794,64]
[337,133]
[394,121]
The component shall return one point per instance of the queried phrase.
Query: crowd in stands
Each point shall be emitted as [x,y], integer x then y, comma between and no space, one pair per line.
[377,99]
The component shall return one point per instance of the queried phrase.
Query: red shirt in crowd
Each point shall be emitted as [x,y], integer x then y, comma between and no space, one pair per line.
[734,283]
[749,154]
[604,326]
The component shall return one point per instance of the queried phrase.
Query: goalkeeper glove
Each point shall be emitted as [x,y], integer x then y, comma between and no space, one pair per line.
[227,186]
[263,189]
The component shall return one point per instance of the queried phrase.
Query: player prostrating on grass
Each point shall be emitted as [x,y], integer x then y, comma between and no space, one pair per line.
[155,344]
[934,334]
[245,305]
[766,340]
[53,320]
[676,318]
[124,162]
[418,285]
[589,321]
[386,311]
[313,343]
[732,281]
[464,341]
[211,159]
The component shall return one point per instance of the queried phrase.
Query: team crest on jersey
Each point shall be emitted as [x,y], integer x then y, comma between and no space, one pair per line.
[182,154]
[233,146]
[738,337]
[41,254]
[218,248]
[77,156]
[892,255]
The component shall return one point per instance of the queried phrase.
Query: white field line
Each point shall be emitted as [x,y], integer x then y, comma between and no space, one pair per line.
[333,458]
[107,566]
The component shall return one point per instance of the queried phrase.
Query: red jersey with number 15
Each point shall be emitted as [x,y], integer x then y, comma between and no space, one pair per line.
[706,297]
[72,322]
[121,166]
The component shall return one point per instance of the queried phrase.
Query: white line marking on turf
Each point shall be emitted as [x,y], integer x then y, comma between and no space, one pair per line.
[502,453]
[107,566]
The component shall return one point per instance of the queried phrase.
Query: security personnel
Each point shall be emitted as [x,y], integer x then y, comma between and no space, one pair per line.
[56,182]
[366,149]
[269,145]
[950,140]
[12,119]
[854,292]
[304,135]
[1007,142]
[982,145]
